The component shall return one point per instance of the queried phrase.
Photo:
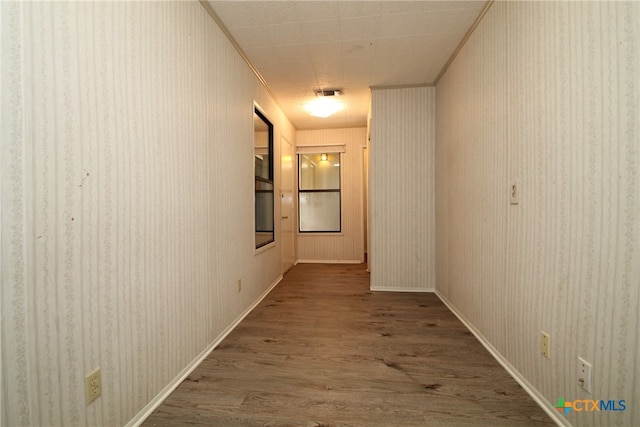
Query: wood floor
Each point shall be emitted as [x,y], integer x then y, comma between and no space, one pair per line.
[322,350]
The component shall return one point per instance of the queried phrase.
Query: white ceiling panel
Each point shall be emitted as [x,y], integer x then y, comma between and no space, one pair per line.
[301,46]
[360,28]
[358,49]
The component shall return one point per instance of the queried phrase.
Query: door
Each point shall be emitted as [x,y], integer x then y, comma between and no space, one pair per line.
[286,204]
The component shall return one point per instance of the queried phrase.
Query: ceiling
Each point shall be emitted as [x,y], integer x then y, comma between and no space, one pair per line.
[302,46]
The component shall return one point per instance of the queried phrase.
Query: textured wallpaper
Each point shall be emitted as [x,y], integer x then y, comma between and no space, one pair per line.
[127,202]
[547,93]
[349,245]
[402,189]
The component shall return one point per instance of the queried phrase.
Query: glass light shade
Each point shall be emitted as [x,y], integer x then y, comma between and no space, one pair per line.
[324,106]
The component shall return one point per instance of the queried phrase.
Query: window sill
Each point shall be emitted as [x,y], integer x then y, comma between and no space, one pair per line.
[265,248]
[320,233]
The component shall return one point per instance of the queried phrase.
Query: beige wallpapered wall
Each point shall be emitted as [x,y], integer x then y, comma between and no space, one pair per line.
[349,245]
[127,137]
[547,93]
[127,202]
[402,189]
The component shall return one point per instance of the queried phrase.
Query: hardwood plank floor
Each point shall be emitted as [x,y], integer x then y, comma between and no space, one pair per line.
[322,350]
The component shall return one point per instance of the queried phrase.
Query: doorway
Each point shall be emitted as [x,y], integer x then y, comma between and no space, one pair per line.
[286,204]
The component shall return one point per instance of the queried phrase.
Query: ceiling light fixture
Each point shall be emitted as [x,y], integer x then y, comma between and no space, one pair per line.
[325,103]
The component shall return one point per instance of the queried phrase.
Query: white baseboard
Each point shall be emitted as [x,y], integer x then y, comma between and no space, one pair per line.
[329,261]
[391,289]
[526,385]
[169,388]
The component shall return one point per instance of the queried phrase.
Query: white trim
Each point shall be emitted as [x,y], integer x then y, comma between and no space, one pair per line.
[266,247]
[364,208]
[274,242]
[329,261]
[235,44]
[321,233]
[262,111]
[391,289]
[520,379]
[463,42]
[315,149]
[408,86]
[145,412]
[294,206]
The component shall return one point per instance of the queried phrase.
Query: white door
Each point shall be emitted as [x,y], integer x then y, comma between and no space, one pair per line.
[286,204]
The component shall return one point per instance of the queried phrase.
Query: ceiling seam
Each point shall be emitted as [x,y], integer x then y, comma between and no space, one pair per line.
[408,86]
[463,42]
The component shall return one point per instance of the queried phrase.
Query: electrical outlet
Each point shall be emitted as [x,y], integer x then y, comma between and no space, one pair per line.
[584,374]
[514,192]
[239,285]
[93,386]
[545,344]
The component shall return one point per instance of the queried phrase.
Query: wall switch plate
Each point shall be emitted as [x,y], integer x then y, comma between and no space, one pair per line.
[93,386]
[584,374]
[514,192]
[545,344]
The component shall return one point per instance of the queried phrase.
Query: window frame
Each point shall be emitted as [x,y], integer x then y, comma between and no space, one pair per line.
[338,190]
[260,181]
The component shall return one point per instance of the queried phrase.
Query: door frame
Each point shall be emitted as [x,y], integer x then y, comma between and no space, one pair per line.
[286,149]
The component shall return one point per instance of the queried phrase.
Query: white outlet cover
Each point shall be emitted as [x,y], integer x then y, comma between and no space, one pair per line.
[584,374]
[514,192]
[545,344]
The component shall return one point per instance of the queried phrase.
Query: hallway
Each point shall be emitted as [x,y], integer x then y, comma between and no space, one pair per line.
[322,350]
